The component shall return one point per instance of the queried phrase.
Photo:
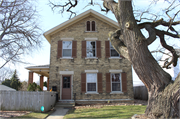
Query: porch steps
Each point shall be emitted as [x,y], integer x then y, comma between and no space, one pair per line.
[65,104]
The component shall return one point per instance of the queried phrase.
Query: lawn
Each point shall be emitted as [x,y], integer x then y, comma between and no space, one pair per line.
[106,112]
[35,115]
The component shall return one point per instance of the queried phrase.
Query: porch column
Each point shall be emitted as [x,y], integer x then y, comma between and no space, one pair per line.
[30,80]
[48,84]
[41,81]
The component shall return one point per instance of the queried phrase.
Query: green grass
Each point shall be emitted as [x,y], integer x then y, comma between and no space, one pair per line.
[35,115]
[107,112]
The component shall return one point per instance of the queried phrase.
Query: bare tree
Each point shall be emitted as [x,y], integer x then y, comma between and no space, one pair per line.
[129,41]
[19,31]
[5,73]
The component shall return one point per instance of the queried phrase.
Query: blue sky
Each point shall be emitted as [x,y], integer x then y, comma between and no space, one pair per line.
[49,19]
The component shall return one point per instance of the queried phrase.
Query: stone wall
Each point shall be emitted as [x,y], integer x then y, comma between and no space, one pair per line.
[79,65]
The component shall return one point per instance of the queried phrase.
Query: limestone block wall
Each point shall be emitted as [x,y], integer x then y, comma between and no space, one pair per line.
[79,64]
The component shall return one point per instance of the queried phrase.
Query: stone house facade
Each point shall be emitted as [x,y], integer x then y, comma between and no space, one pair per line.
[83,65]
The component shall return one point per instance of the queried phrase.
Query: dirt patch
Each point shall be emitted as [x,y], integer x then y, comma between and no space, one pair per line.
[13,113]
[136,102]
[140,116]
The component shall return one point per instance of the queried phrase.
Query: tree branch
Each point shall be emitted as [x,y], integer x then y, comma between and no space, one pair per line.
[9,59]
[170,48]
[67,6]
[152,34]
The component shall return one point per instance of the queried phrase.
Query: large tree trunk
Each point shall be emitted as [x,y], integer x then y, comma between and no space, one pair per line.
[163,93]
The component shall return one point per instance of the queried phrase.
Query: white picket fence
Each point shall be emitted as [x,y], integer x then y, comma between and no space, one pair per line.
[27,100]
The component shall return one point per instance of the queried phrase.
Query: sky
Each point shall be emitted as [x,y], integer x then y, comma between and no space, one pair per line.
[49,19]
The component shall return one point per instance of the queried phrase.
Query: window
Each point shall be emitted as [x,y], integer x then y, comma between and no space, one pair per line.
[116,81]
[113,52]
[91,48]
[67,49]
[66,82]
[90,26]
[91,82]
[93,25]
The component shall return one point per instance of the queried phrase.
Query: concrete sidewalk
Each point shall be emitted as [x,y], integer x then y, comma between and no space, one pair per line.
[58,114]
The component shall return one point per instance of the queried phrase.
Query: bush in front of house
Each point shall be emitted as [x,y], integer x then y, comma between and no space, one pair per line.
[34,87]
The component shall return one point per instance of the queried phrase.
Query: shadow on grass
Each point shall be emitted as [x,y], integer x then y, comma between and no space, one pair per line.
[36,115]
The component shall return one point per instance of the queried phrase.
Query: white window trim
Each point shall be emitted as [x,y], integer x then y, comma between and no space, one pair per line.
[91,92]
[66,58]
[113,72]
[116,71]
[91,71]
[91,39]
[115,58]
[67,39]
[95,50]
[90,26]
[116,92]
[91,58]
[70,57]
[66,72]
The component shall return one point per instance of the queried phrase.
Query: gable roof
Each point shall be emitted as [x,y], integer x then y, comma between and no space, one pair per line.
[97,15]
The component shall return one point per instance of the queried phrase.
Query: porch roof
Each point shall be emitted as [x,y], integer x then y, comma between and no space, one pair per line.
[40,69]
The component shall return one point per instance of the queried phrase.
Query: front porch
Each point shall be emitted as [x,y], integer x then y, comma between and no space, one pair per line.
[42,71]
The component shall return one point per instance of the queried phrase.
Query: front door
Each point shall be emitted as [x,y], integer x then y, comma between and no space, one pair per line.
[66,87]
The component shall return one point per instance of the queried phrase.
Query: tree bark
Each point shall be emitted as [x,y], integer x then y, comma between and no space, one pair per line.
[163,92]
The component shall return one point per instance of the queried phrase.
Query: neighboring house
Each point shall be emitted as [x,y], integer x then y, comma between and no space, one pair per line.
[173,71]
[6,88]
[83,65]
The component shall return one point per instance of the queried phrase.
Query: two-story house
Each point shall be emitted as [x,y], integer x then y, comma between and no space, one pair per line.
[83,64]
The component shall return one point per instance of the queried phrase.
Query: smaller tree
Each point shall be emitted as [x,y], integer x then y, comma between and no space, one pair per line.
[24,86]
[13,82]
[6,82]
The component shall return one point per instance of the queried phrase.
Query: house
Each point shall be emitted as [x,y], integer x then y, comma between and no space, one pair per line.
[6,88]
[83,64]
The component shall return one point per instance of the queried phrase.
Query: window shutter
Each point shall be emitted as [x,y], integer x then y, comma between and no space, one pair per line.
[98,47]
[59,49]
[107,48]
[88,25]
[100,82]
[108,83]
[93,26]
[74,49]
[83,82]
[124,82]
[83,49]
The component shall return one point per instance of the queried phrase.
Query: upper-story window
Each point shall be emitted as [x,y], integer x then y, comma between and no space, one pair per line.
[67,49]
[110,52]
[90,26]
[90,48]
[113,52]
